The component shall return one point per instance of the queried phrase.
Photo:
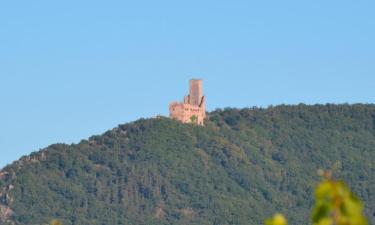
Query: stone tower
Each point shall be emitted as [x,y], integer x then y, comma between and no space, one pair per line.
[193,108]
[195,92]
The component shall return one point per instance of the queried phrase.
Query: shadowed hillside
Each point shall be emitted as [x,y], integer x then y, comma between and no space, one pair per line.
[242,167]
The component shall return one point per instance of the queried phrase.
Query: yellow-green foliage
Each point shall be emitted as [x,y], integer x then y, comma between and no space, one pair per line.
[277,219]
[335,204]
[56,222]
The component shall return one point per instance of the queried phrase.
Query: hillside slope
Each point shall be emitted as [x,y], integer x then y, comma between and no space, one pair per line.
[243,166]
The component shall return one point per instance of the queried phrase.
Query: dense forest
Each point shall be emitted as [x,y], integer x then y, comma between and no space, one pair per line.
[243,166]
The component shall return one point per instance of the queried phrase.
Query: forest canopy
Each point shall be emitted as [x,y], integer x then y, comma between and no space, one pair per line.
[240,168]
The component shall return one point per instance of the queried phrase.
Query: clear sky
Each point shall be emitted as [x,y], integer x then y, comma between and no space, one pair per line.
[70,69]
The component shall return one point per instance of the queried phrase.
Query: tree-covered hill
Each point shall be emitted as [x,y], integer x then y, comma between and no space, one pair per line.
[242,167]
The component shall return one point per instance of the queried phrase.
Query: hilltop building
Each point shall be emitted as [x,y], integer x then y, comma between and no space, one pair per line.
[193,107]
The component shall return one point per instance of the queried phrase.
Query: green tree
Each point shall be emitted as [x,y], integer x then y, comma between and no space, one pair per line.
[193,118]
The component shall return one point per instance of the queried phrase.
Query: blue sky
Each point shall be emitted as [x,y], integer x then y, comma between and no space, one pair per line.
[71,69]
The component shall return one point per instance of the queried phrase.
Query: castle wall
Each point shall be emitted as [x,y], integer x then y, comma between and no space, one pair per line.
[192,109]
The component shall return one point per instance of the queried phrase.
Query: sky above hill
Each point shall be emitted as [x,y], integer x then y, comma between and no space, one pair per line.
[71,69]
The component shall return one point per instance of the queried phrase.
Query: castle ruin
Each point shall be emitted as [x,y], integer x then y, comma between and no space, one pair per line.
[193,107]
